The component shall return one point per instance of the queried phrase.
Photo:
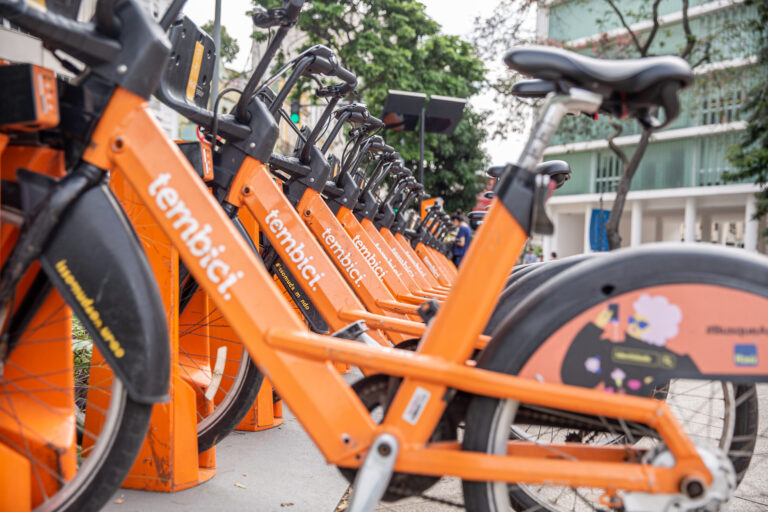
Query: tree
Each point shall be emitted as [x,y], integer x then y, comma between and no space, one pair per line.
[750,157]
[229,46]
[459,153]
[393,44]
[493,34]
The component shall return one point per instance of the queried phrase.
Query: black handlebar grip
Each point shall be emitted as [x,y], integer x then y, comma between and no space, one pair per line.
[375,121]
[346,75]
[292,9]
[326,67]
[80,40]
[386,148]
[358,117]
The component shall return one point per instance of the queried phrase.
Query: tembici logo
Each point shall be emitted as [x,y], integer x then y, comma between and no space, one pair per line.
[295,251]
[369,257]
[343,257]
[195,237]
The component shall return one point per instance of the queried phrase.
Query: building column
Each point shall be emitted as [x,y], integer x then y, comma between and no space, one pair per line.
[636,231]
[689,230]
[706,227]
[587,222]
[658,235]
[750,224]
[546,247]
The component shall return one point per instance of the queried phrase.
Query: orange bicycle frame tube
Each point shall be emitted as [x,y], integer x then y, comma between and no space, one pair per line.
[406,261]
[363,278]
[392,276]
[426,255]
[298,362]
[410,253]
[422,278]
[381,245]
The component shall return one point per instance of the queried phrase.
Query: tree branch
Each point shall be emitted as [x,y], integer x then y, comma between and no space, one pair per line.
[626,26]
[628,172]
[652,33]
[707,57]
[616,149]
[689,37]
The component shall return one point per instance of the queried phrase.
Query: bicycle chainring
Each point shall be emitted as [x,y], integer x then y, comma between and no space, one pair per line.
[376,392]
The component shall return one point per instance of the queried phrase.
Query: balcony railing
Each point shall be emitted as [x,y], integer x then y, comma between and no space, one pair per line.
[692,162]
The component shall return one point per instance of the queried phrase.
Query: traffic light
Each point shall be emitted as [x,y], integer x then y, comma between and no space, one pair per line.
[295,111]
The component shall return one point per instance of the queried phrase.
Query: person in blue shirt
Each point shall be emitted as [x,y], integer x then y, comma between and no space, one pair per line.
[462,238]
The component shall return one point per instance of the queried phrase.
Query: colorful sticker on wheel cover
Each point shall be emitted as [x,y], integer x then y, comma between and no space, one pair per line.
[631,343]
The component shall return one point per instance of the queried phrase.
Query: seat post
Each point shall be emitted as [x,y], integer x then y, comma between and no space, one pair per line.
[556,106]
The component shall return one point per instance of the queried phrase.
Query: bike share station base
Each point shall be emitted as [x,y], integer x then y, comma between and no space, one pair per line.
[266,413]
[15,485]
[168,460]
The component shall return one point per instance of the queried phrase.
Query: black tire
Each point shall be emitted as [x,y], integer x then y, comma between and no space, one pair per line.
[525,280]
[127,443]
[248,388]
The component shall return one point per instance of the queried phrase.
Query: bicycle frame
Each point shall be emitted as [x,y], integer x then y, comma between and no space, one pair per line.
[298,362]
[383,245]
[392,277]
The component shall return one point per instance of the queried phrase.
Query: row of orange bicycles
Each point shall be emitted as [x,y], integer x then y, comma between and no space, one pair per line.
[621,381]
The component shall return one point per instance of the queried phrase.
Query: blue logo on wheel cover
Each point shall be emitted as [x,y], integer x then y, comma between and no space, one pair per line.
[745,355]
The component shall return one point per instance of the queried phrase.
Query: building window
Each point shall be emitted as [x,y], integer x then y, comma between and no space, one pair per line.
[711,158]
[608,172]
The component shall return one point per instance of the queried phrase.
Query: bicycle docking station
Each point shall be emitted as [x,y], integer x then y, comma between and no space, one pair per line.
[200,344]
[267,411]
[168,460]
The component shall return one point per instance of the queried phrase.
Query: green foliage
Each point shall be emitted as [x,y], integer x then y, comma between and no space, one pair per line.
[459,154]
[229,46]
[750,157]
[393,44]
[82,350]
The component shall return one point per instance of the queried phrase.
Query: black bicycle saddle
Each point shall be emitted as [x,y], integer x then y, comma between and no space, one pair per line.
[630,87]
[627,75]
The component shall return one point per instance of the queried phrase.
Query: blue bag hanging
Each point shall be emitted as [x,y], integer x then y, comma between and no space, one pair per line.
[598,238]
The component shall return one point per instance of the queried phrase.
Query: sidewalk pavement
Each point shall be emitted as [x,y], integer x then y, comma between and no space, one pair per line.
[281,470]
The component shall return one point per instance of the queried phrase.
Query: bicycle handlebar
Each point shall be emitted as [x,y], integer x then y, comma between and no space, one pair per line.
[381,147]
[288,14]
[82,41]
[330,67]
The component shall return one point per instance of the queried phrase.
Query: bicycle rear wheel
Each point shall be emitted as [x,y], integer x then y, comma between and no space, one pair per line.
[583,327]
[713,413]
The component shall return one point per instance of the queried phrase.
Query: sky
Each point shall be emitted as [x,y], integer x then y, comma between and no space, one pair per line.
[456,17]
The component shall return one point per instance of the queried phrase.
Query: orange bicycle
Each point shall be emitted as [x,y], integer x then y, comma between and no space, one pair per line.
[411,438]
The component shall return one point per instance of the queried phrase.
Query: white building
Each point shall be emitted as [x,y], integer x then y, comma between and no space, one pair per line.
[677,193]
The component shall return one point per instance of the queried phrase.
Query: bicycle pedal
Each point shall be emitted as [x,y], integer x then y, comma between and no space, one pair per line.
[356,331]
[352,331]
[374,475]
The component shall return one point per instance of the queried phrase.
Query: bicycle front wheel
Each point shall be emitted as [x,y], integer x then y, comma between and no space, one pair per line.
[70,428]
